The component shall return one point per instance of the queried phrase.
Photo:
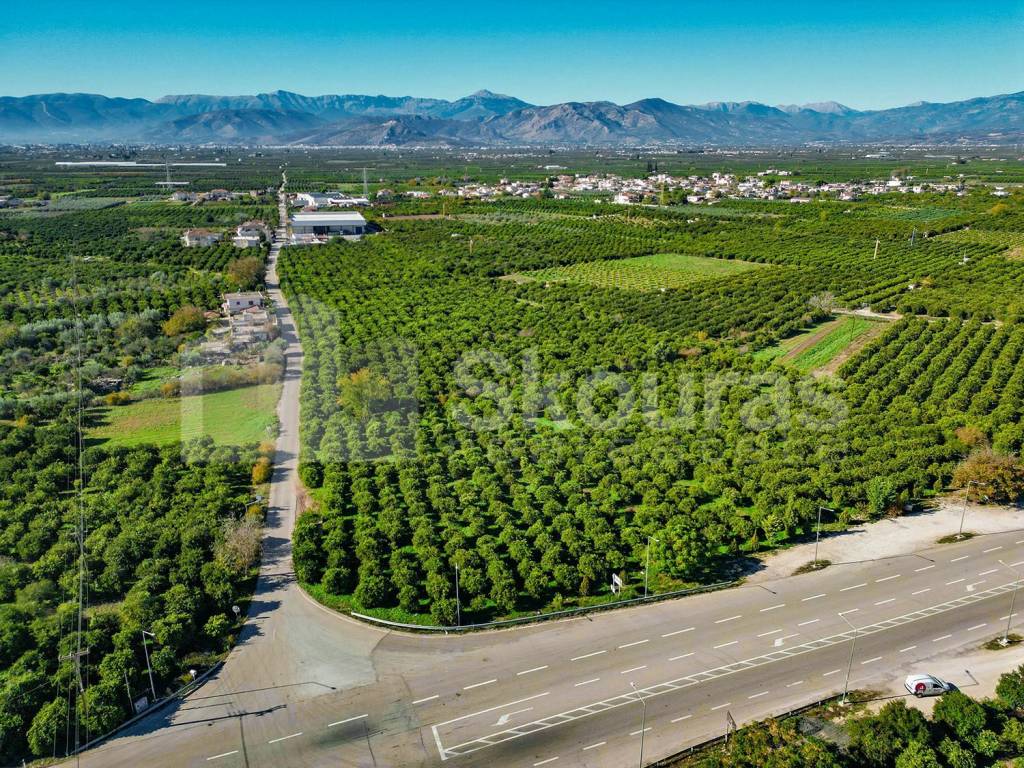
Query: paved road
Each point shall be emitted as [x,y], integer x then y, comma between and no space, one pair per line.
[307,687]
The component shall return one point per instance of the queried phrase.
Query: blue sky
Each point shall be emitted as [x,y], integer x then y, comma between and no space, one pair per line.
[865,54]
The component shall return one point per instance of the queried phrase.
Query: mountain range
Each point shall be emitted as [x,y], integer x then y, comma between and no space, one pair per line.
[490,119]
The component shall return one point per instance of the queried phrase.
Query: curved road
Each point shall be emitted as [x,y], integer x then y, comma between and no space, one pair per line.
[308,687]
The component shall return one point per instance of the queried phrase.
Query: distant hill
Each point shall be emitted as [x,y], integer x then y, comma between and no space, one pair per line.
[490,119]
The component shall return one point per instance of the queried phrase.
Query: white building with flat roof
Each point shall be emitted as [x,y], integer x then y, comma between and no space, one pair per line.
[310,227]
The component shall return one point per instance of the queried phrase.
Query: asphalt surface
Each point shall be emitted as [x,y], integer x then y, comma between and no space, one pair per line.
[308,687]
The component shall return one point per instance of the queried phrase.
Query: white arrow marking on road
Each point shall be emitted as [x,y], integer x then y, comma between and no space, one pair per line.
[503,720]
[780,640]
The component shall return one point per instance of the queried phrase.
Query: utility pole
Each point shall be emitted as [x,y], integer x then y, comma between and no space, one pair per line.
[647,563]
[458,602]
[366,189]
[149,669]
[131,701]
[643,722]
[817,532]
[963,513]
[1013,599]
[849,667]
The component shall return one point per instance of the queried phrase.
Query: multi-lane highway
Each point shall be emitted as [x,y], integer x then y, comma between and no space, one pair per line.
[308,687]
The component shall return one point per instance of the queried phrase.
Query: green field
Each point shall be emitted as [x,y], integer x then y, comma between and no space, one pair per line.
[645,273]
[233,417]
[816,348]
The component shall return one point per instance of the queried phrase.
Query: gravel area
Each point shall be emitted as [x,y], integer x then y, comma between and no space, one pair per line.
[892,536]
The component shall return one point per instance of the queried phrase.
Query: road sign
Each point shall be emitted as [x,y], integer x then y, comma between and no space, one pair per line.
[616,584]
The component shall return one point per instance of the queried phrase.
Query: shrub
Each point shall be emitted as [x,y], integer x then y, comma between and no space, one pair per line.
[188,319]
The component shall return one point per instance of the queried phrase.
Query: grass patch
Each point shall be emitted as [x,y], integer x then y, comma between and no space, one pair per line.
[152,378]
[996,643]
[811,566]
[825,349]
[232,417]
[953,538]
[646,273]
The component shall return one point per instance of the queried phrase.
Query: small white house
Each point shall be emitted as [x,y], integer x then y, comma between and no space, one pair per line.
[241,301]
[200,238]
[250,234]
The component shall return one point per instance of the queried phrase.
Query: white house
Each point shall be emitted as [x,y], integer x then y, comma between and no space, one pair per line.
[250,234]
[308,227]
[193,238]
[239,302]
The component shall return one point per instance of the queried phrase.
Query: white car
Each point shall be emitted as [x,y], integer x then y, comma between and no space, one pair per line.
[926,685]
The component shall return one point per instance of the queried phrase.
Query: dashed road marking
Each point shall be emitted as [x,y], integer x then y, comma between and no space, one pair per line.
[977,626]
[630,645]
[595,746]
[908,648]
[812,597]
[731,618]
[884,602]
[809,621]
[349,720]
[958,559]
[791,685]
[855,586]
[645,730]
[943,637]
[479,685]
[721,706]
[678,632]
[767,634]
[587,655]
[545,762]
[633,669]
[680,719]
[283,738]
[989,572]
[428,698]
[684,656]
[991,549]
[758,695]
[725,645]
[586,682]
[925,568]
[871,661]
[954,581]
[921,591]
[772,607]
[222,754]
[887,578]
[834,671]
[529,671]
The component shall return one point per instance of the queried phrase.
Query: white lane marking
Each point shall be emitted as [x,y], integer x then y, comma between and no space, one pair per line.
[678,632]
[954,581]
[772,608]
[991,549]
[283,738]
[528,671]
[630,645]
[958,559]
[832,672]
[222,754]
[871,661]
[887,578]
[855,586]
[634,669]
[810,621]
[798,682]
[908,648]
[595,746]
[1019,562]
[725,645]
[976,626]
[586,682]
[1004,618]
[773,632]
[587,655]
[758,695]
[925,568]
[499,706]
[545,762]
[680,719]
[1019,542]
[921,591]
[645,730]
[731,618]
[503,720]
[684,656]
[348,720]
[721,706]
[884,602]
[428,698]
[970,587]
[812,597]
[989,572]
[944,637]
[478,685]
